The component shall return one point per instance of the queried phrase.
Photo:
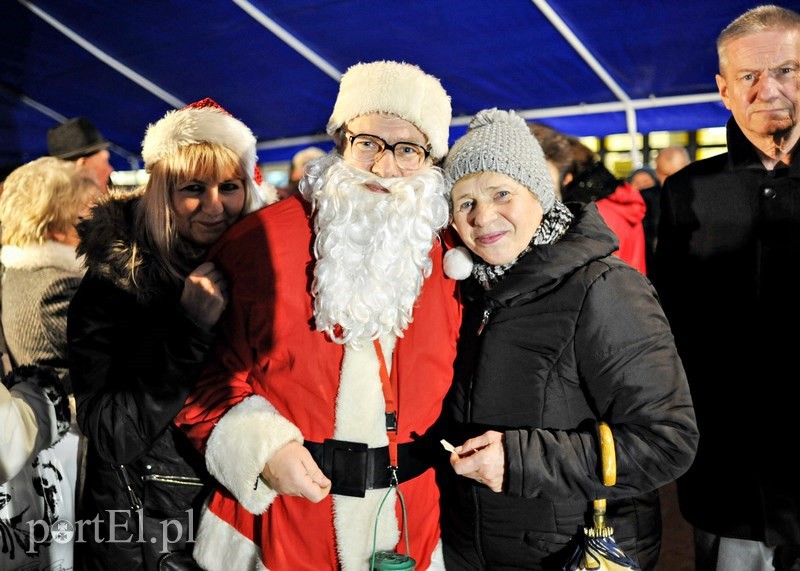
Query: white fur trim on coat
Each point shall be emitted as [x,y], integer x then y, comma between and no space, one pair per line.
[51,254]
[437,558]
[240,445]
[220,547]
[360,417]
[395,88]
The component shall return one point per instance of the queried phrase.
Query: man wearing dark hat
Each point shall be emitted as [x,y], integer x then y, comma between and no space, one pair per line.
[79,140]
[338,344]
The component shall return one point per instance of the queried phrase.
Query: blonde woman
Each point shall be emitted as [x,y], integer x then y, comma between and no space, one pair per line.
[42,201]
[140,326]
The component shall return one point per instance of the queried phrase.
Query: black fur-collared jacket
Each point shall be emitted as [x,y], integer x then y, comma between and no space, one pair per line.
[134,357]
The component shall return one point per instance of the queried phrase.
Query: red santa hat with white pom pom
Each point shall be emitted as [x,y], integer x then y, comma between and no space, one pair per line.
[205,121]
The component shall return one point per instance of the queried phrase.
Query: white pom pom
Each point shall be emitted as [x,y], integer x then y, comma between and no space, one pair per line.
[458,263]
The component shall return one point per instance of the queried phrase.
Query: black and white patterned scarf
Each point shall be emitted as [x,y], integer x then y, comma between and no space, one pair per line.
[554,225]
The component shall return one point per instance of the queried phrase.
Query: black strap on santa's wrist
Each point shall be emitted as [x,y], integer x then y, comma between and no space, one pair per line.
[390,397]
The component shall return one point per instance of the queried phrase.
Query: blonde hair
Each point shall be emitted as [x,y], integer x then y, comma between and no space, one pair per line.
[759,19]
[45,195]
[154,219]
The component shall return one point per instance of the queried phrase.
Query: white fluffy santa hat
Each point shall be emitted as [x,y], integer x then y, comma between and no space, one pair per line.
[400,89]
[205,121]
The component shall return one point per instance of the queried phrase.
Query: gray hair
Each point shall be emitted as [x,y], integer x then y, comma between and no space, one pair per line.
[759,19]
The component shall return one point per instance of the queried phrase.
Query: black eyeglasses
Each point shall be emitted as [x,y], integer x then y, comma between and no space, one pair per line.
[369,148]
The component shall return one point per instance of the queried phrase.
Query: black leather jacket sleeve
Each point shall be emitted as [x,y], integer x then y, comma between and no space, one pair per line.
[132,366]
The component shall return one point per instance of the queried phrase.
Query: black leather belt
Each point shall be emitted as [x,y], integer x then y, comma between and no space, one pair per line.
[354,468]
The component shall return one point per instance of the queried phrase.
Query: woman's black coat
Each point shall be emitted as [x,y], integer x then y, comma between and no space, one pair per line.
[134,357]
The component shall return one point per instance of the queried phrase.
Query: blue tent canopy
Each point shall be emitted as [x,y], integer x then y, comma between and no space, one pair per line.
[583,67]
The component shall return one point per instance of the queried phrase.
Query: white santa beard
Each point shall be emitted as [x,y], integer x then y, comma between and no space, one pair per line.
[372,249]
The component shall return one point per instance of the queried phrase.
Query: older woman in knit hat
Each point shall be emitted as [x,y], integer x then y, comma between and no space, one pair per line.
[558,335]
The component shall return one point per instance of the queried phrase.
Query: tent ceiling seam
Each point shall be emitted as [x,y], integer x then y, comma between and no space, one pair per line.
[56,116]
[289,39]
[578,46]
[104,57]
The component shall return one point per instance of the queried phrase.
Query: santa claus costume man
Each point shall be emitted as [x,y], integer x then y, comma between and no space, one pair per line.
[328,288]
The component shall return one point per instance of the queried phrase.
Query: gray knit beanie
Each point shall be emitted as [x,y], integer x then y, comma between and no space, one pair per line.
[500,141]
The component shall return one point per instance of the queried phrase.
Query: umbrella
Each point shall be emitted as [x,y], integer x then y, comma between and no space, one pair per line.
[596,549]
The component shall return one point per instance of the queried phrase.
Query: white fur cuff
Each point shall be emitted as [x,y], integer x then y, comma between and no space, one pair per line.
[220,547]
[240,445]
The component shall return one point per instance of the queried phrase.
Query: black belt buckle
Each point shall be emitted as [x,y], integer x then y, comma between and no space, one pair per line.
[345,463]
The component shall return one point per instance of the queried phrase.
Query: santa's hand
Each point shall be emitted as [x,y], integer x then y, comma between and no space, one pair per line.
[205,295]
[483,459]
[292,472]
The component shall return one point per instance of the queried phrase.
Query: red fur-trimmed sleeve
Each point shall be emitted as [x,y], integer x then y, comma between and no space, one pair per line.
[236,428]
[224,381]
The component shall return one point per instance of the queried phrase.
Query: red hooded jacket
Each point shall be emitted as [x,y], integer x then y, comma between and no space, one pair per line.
[623,211]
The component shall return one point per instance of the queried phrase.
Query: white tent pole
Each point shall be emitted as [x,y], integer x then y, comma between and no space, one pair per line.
[577,45]
[289,39]
[609,107]
[630,119]
[567,111]
[132,159]
[292,141]
[41,108]
[104,57]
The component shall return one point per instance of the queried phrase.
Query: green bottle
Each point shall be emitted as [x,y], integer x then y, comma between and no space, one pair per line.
[392,561]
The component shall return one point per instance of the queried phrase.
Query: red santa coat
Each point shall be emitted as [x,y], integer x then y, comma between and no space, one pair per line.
[274,379]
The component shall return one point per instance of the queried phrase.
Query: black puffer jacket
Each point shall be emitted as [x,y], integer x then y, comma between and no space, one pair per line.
[573,336]
[134,357]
